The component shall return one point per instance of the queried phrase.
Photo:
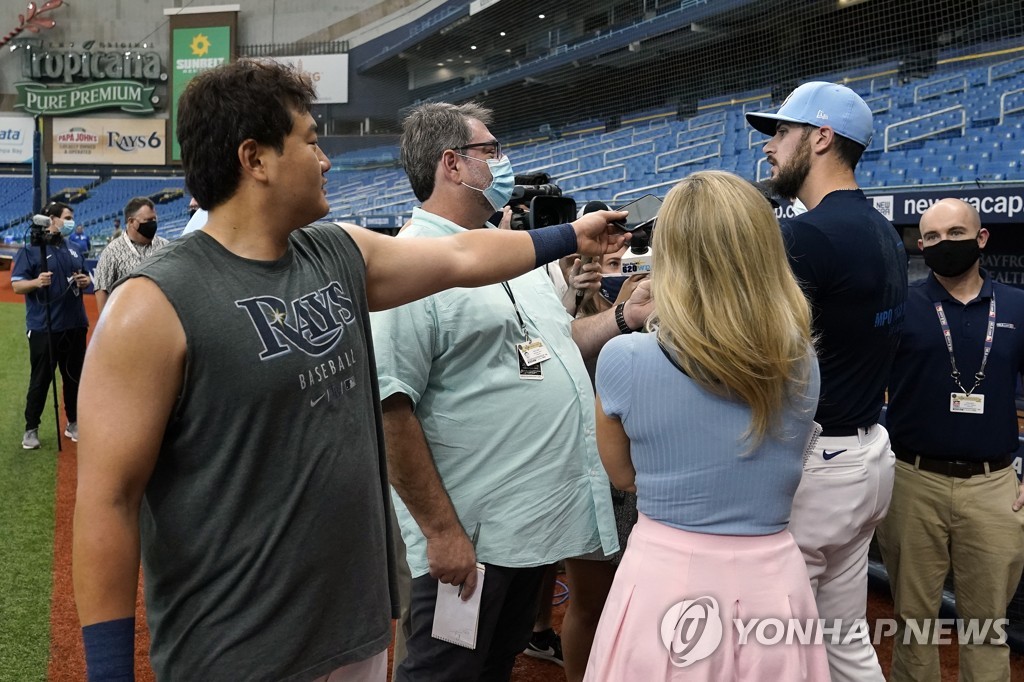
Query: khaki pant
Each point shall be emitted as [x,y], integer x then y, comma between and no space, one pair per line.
[936,522]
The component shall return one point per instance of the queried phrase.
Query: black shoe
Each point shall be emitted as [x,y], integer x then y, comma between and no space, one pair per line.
[545,644]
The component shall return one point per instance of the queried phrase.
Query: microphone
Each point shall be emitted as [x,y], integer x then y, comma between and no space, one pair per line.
[589,207]
[40,220]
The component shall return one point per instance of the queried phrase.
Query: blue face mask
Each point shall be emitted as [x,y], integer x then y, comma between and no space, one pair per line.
[67,228]
[503,180]
[611,285]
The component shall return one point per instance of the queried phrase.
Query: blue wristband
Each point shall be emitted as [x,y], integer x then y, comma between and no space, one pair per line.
[551,243]
[110,650]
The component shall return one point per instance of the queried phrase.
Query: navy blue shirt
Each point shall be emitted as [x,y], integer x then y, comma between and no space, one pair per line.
[66,308]
[81,243]
[851,264]
[919,417]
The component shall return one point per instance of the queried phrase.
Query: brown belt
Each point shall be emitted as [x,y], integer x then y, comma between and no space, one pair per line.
[950,468]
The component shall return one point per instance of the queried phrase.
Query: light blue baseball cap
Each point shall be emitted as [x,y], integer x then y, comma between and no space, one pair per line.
[821,104]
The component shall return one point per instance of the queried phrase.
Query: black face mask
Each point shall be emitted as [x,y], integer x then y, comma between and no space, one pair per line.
[952,257]
[147,229]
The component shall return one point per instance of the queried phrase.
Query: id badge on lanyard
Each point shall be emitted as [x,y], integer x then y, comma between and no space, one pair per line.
[532,352]
[967,401]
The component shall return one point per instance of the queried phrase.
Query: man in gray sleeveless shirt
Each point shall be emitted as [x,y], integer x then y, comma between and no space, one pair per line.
[248,471]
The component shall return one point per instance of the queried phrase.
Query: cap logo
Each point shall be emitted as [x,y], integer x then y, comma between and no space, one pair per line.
[821,114]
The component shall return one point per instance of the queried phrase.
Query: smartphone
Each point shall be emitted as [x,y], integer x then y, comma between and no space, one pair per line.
[642,210]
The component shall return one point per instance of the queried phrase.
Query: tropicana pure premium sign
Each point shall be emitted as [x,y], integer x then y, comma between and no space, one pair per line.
[70,81]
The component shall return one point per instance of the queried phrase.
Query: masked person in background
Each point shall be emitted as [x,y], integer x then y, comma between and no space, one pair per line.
[591,576]
[604,287]
[125,254]
[953,422]
[54,317]
[80,240]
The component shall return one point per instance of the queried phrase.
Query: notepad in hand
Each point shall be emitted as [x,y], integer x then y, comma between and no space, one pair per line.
[455,621]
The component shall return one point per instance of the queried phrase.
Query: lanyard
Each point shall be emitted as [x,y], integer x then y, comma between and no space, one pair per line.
[134,247]
[522,325]
[980,376]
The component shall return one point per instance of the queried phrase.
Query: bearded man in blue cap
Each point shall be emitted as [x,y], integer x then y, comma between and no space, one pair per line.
[852,266]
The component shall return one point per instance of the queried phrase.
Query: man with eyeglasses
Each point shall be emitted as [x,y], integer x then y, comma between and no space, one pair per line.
[125,254]
[488,415]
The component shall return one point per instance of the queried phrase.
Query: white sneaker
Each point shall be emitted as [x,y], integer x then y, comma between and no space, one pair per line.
[30,441]
[72,431]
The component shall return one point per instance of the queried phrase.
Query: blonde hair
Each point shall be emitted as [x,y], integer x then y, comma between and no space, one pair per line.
[727,306]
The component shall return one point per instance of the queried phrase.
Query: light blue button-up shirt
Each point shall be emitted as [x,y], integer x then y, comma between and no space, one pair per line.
[518,457]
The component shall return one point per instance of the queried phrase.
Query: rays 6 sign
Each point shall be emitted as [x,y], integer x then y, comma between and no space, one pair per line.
[110,141]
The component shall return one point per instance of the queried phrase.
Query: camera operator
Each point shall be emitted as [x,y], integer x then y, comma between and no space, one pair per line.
[53,313]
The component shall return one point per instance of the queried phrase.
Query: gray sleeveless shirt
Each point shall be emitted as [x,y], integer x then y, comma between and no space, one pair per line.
[266,545]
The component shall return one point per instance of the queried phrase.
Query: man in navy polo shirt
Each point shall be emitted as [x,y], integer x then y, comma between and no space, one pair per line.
[852,266]
[953,422]
[80,241]
[57,287]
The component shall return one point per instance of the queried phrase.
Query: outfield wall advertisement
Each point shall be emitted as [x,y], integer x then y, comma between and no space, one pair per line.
[1000,205]
[329,73]
[110,141]
[194,50]
[16,139]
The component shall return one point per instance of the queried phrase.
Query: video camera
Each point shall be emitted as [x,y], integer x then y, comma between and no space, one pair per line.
[536,202]
[39,232]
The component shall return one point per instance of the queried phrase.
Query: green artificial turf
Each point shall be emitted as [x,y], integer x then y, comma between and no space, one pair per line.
[27,483]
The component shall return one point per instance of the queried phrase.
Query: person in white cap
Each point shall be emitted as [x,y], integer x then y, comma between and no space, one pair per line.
[853,268]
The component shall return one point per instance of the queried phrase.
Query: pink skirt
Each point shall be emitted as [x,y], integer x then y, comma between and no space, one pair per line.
[673,608]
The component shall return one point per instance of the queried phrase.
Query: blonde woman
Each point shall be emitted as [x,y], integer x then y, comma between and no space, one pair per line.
[707,420]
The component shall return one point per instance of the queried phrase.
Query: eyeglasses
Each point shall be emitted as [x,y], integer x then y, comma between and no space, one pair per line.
[491,149]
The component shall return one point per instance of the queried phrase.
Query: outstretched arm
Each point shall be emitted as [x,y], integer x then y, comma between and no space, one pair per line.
[403,270]
[591,333]
[119,444]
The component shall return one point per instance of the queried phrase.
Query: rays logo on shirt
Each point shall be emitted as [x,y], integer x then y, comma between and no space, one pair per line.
[311,324]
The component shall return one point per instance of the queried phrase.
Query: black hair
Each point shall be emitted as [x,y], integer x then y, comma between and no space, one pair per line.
[223,107]
[54,209]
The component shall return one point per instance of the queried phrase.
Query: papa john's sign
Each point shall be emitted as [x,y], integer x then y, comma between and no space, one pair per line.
[116,76]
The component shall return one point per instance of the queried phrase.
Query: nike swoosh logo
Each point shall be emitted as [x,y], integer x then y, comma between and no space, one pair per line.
[826,455]
[313,402]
